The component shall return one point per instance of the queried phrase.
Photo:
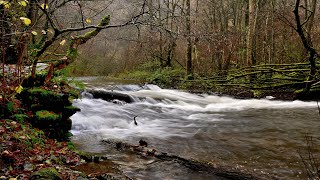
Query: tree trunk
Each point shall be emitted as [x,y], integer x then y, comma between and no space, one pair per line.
[189,39]
[251,31]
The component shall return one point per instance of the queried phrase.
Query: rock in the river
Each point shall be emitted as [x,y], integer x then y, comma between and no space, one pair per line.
[110,96]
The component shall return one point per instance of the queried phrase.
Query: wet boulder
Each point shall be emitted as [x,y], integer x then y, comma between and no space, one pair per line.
[111,96]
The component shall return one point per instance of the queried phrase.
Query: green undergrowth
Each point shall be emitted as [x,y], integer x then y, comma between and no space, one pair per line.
[284,81]
[164,77]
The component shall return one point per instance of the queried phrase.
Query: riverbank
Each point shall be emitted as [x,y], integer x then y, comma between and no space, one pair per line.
[199,86]
[27,153]
[279,82]
[35,133]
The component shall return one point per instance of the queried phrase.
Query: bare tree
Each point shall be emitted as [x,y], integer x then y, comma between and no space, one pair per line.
[307,43]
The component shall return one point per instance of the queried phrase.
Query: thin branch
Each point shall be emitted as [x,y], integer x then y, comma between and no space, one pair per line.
[132,21]
[82,15]
[308,18]
[53,25]
[60,5]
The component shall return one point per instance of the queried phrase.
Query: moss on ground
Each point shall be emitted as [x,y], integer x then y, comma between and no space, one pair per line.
[47,173]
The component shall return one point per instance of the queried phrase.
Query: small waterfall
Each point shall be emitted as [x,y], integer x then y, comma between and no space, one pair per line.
[249,132]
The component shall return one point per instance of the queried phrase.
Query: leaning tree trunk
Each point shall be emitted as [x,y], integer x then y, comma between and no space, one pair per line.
[307,45]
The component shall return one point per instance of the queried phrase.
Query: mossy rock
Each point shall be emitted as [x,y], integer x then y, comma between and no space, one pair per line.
[68,111]
[46,173]
[38,99]
[46,120]
[45,115]
[53,124]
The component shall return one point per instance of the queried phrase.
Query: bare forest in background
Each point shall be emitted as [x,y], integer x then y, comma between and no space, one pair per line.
[206,38]
[217,35]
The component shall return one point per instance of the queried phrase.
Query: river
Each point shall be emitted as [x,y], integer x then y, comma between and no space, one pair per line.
[261,135]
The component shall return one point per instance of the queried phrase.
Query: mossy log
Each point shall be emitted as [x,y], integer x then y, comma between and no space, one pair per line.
[72,52]
[269,77]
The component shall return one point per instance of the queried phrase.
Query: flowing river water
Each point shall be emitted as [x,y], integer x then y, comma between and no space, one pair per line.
[261,135]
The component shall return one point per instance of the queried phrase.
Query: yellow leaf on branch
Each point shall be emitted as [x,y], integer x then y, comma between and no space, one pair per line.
[23,3]
[5,3]
[62,42]
[50,31]
[88,21]
[19,89]
[26,21]
[34,33]
[44,6]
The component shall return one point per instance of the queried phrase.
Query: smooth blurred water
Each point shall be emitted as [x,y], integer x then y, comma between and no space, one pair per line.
[262,135]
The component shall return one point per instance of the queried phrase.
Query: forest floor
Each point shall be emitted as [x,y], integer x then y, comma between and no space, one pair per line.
[25,150]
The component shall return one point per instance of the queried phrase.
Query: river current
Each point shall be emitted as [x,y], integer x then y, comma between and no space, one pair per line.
[261,135]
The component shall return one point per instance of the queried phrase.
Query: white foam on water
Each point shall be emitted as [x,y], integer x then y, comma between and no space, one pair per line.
[163,113]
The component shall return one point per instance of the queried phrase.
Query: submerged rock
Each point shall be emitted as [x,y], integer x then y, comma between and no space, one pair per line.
[178,164]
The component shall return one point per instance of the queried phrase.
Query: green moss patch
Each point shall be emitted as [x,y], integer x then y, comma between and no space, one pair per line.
[47,116]
[20,117]
[47,173]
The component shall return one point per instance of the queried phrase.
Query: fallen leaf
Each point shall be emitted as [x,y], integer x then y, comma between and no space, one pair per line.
[2,130]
